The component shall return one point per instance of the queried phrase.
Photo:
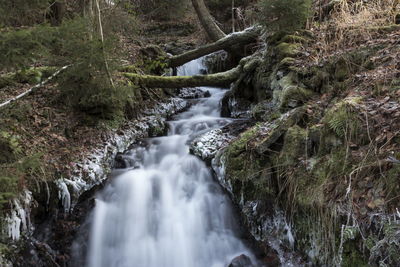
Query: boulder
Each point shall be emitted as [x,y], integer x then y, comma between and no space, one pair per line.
[241,261]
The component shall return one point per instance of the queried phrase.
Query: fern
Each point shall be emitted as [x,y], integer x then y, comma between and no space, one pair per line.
[343,121]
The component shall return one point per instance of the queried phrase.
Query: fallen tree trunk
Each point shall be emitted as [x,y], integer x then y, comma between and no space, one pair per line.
[34,88]
[218,79]
[30,76]
[247,36]
[207,21]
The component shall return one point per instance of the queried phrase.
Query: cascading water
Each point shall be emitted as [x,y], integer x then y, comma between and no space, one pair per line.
[167,210]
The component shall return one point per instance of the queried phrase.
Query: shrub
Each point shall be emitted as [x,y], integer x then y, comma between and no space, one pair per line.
[86,85]
[22,12]
[285,15]
[21,48]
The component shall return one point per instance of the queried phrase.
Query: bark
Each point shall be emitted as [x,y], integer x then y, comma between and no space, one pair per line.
[57,10]
[218,79]
[207,21]
[240,38]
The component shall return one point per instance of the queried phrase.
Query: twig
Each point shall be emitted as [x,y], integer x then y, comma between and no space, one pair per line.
[34,87]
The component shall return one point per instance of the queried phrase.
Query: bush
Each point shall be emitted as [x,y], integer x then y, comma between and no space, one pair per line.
[285,15]
[21,48]
[86,85]
[22,12]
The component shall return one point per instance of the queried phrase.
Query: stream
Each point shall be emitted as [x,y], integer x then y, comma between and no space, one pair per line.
[165,209]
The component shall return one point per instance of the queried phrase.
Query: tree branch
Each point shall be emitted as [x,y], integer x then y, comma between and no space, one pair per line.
[239,38]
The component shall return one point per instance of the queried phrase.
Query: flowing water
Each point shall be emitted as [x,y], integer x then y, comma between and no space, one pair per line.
[166,209]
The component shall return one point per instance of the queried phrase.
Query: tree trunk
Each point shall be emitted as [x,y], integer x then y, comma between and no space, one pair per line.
[247,36]
[56,12]
[207,21]
[218,79]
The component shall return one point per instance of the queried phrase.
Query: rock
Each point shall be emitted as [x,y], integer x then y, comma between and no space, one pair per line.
[119,161]
[273,130]
[193,92]
[207,145]
[241,261]
[235,107]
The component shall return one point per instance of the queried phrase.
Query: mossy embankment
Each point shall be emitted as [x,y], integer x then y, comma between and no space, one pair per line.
[326,148]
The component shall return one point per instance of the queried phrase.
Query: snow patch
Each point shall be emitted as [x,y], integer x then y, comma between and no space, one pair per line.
[207,145]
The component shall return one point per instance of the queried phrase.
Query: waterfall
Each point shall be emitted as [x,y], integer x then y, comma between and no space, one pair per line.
[167,210]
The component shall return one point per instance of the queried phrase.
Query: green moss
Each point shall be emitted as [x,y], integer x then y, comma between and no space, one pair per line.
[295,146]
[319,80]
[294,39]
[287,49]
[287,61]
[130,68]
[249,173]
[294,97]
[240,145]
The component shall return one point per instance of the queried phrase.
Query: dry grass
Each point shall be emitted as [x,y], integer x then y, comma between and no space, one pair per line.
[351,23]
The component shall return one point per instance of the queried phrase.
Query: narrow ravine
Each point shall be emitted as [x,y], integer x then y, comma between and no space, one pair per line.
[165,209]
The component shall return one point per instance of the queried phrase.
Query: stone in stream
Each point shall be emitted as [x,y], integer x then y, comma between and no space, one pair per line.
[241,261]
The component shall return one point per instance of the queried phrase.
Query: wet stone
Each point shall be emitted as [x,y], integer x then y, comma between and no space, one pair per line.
[241,261]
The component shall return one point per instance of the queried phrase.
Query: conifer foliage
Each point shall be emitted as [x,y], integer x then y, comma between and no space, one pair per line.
[285,15]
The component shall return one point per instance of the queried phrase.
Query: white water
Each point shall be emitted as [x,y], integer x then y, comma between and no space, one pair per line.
[168,211]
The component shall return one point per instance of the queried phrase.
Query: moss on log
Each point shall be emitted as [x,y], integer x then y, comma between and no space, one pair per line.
[218,79]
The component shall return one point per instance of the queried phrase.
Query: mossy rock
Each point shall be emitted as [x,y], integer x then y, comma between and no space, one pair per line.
[287,93]
[276,37]
[294,96]
[265,111]
[286,62]
[287,49]
[248,173]
[296,145]
[294,39]
[272,131]
[319,80]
